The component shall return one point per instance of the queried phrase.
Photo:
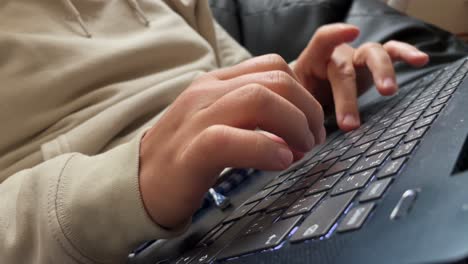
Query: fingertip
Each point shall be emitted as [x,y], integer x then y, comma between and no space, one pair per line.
[285,157]
[387,86]
[351,33]
[298,155]
[421,60]
[349,122]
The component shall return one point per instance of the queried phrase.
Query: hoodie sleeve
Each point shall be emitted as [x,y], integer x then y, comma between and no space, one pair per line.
[76,209]
[230,52]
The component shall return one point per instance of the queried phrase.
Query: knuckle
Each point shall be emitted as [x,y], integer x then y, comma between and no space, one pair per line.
[390,43]
[277,61]
[346,70]
[370,45]
[257,97]
[279,78]
[214,136]
[254,92]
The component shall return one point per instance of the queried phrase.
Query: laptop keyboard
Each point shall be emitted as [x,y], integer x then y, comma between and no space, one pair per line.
[337,188]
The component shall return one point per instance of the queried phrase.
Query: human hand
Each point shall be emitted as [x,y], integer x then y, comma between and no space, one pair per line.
[331,69]
[212,125]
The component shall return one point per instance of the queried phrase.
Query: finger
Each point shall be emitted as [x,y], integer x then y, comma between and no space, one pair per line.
[342,77]
[269,62]
[296,154]
[320,48]
[287,87]
[255,106]
[221,146]
[374,56]
[400,51]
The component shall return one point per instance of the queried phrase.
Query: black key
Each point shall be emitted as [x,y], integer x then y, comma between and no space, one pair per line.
[384,145]
[285,186]
[369,138]
[440,101]
[211,239]
[188,257]
[337,141]
[240,212]
[375,190]
[303,170]
[260,195]
[415,134]
[424,99]
[406,119]
[355,217]
[404,149]
[324,184]
[380,125]
[385,120]
[353,182]
[445,93]
[261,223]
[349,141]
[403,104]
[276,181]
[420,105]
[396,114]
[263,205]
[286,175]
[370,162]
[213,231]
[322,219]
[269,238]
[393,132]
[284,201]
[322,166]
[337,153]
[433,110]
[356,151]
[208,254]
[361,130]
[341,166]
[413,110]
[425,121]
[303,205]
[305,182]
[318,157]
[392,167]
[457,78]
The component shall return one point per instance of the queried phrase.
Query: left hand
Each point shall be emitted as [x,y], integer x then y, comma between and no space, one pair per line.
[331,69]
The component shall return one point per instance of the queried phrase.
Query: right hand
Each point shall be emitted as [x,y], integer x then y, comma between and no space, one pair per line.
[210,126]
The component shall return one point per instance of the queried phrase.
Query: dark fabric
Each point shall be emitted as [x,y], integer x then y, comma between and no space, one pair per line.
[285,26]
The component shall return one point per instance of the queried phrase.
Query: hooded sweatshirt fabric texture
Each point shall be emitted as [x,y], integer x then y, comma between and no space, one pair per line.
[80,83]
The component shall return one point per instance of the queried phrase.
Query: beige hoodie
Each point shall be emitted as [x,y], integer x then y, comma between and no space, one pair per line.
[73,109]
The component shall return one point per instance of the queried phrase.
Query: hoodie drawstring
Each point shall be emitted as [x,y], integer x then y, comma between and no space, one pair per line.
[136,7]
[71,7]
[132,3]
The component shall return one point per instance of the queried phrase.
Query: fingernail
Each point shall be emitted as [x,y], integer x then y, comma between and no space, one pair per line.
[350,121]
[417,53]
[285,157]
[388,83]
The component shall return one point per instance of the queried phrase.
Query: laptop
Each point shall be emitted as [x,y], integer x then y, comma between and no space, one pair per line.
[395,190]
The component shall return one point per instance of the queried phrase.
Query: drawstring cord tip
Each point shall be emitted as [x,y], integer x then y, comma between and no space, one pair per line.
[85,30]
